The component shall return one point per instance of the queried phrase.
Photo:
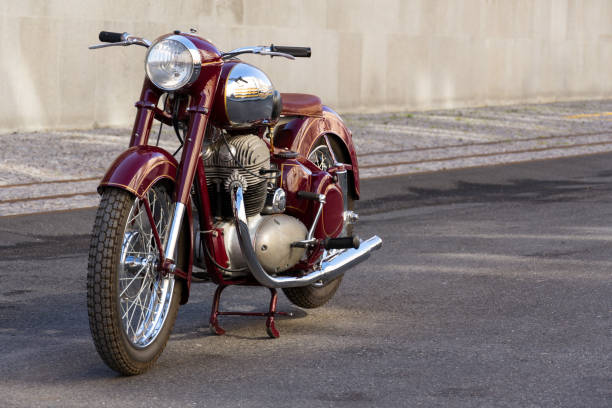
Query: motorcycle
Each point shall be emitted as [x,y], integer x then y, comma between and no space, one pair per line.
[262,195]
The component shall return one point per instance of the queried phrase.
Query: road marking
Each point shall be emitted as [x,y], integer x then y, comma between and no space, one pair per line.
[588,115]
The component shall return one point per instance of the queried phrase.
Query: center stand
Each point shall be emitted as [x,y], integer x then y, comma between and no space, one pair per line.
[270,327]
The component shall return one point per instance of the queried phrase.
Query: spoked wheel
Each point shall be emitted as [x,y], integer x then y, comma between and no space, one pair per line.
[317,294]
[131,304]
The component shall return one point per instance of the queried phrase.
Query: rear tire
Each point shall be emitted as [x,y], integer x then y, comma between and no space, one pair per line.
[313,296]
[316,295]
[131,307]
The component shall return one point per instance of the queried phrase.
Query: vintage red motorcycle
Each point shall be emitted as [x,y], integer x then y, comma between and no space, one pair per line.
[262,195]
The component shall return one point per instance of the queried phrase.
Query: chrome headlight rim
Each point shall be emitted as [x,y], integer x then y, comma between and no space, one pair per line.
[196,58]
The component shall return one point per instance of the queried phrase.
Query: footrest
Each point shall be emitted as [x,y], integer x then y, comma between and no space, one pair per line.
[307,195]
[342,243]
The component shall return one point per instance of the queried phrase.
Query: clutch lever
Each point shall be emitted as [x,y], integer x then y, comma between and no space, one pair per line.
[126,39]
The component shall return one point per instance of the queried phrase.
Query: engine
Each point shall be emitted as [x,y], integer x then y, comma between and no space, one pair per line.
[228,159]
[238,158]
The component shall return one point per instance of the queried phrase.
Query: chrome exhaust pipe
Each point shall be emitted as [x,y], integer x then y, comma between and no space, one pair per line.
[331,267]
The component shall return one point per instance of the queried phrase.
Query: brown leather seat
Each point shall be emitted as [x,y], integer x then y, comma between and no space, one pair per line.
[295,104]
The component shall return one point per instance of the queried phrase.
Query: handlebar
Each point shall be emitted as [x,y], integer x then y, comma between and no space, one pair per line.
[124,39]
[110,37]
[272,51]
[303,52]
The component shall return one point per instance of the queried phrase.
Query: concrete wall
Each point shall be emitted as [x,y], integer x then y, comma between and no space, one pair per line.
[367,55]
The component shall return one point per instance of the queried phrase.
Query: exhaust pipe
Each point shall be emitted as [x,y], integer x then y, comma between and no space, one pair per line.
[331,268]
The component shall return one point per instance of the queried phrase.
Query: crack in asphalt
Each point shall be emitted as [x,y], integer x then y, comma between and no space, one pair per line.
[46,247]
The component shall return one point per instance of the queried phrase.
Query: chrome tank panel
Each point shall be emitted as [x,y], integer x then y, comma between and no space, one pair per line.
[249,96]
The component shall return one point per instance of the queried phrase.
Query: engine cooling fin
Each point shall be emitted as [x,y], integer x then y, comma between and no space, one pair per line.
[240,160]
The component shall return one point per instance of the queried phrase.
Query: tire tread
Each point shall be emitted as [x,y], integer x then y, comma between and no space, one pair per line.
[101,281]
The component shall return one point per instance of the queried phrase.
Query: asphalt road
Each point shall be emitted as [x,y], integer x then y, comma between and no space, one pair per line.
[493,289]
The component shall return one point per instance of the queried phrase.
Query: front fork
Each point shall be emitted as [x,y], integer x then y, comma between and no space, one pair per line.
[187,169]
[198,120]
[175,230]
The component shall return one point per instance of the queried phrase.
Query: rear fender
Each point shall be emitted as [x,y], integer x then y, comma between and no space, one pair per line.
[136,170]
[301,133]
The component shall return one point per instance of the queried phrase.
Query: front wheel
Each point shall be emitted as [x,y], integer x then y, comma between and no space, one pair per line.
[131,305]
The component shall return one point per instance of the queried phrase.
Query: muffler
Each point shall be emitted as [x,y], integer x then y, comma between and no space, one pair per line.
[331,267]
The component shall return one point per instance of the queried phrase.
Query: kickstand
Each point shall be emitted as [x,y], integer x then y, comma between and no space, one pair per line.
[270,326]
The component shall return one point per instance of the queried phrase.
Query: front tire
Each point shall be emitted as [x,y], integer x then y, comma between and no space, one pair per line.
[131,306]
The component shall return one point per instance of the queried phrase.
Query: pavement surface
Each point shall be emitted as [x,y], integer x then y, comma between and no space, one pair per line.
[492,289]
[50,171]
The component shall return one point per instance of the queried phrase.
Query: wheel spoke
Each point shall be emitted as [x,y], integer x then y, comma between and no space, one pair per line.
[139,329]
[143,313]
[137,296]
[132,280]
[127,315]
[321,157]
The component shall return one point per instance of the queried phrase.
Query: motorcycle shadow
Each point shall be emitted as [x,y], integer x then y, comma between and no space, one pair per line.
[193,318]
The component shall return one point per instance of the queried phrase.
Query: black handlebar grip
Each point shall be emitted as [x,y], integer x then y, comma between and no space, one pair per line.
[307,195]
[110,37]
[342,243]
[295,51]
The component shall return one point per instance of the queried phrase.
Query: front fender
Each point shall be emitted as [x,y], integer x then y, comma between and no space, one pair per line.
[136,170]
[302,132]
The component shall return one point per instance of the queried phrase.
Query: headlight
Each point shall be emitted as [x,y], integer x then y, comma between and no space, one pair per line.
[173,63]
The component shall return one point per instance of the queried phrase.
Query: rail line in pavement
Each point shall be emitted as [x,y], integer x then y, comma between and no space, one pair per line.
[27,201]
[489,143]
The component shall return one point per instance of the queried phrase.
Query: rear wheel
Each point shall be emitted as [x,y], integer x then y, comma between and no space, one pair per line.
[131,305]
[317,294]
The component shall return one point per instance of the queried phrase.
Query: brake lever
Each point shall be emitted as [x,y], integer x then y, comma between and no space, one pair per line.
[259,50]
[277,54]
